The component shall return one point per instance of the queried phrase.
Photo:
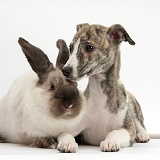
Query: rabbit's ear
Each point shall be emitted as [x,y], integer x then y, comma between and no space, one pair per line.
[36,58]
[63,54]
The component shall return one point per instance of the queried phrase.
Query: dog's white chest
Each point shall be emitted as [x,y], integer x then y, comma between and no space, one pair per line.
[100,121]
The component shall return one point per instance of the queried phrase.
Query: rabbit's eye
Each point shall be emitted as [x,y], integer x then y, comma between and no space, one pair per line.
[52,87]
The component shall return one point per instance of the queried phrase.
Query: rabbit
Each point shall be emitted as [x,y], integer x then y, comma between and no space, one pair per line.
[42,108]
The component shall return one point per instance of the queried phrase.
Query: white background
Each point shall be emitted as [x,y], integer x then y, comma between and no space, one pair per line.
[42,22]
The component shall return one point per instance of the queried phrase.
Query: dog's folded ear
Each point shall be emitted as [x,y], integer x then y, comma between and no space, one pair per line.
[117,34]
[80,26]
[63,54]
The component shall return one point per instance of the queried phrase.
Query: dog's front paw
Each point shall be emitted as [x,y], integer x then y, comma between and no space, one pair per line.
[109,146]
[142,138]
[67,147]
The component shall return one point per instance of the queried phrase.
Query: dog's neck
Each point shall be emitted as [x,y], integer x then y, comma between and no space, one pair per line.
[109,84]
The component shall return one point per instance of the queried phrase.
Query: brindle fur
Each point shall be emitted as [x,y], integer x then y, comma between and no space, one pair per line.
[104,60]
[116,93]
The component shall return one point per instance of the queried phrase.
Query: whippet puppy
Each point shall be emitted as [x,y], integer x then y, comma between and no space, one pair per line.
[114,118]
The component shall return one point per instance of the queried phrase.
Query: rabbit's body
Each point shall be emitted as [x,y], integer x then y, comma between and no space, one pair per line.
[24,114]
[42,105]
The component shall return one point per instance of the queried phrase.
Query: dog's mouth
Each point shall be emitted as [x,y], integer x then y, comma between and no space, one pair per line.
[75,79]
[81,76]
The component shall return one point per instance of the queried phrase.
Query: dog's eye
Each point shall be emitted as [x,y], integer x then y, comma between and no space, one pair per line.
[52,87]
[89,48]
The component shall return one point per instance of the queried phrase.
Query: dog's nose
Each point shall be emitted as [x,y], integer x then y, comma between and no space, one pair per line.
[67,71]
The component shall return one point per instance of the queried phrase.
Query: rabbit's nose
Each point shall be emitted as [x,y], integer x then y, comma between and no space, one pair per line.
[68,104]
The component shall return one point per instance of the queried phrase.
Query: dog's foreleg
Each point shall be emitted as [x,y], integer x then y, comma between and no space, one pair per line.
[123,137]
[115,140]
[141,134]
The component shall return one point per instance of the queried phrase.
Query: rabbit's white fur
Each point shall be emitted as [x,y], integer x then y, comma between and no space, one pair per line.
[26,114]
[33,112]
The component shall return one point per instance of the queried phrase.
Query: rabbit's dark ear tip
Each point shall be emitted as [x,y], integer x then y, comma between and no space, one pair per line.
[60,42]
[22,41]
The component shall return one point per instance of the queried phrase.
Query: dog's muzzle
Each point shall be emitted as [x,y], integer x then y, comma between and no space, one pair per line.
[67,72]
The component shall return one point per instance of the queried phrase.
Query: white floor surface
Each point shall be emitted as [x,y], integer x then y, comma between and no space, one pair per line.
[140,151]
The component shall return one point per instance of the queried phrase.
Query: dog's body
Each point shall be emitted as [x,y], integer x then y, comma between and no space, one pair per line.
[114,118]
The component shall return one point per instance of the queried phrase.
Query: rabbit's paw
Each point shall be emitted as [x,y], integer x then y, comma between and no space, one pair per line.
[67,146]
[45,142]
[109,146]
[142,138]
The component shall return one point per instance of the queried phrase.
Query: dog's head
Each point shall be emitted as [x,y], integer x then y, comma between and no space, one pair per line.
[93,50]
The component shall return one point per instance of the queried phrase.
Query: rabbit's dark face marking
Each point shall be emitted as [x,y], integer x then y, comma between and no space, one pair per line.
[64,96]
